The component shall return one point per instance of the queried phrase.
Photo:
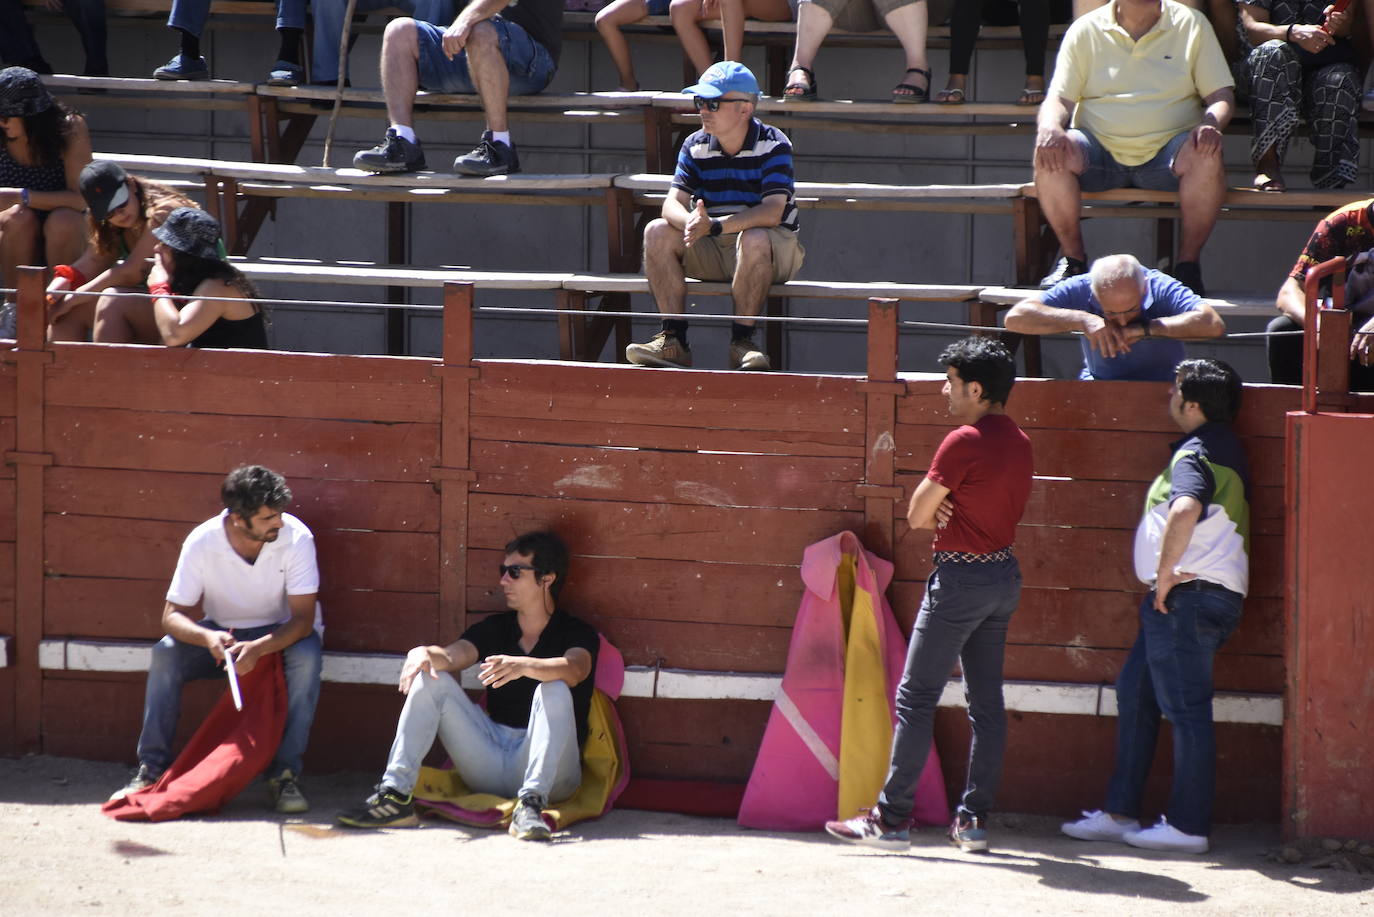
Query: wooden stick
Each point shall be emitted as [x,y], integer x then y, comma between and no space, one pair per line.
[343,76]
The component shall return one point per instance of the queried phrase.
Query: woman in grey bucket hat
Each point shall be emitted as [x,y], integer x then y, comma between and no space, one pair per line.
[45,147]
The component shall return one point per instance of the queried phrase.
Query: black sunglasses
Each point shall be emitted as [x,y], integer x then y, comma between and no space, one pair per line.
[713,104]
[513,570]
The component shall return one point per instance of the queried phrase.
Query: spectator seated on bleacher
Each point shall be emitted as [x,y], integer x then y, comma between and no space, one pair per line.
[729,216]
[687,16]
[1132,319]
[1148,92]
[328,16]
[1344,233]
[189,18]
[537,664]
[492,49]
[1300,66]
[18,48]
[908,20]
[84,296]
[1221,13]
[966,18]
[45,147]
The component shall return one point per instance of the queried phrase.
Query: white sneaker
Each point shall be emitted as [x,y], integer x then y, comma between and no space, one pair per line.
[1099,826]
[1165,836]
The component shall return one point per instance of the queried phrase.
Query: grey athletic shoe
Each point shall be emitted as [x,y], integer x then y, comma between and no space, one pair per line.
[527,821]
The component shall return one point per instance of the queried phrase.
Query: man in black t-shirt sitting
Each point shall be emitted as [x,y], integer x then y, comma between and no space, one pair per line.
[537,664]
[492,49]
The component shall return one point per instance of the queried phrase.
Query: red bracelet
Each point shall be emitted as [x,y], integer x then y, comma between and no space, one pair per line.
[161,288]
[68,272]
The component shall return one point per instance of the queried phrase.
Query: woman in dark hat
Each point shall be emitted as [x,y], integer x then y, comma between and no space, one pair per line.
[46,145]
[218,309]
[121,211]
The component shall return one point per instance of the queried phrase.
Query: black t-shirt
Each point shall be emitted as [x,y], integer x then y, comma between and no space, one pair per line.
[499,634]
[542,19]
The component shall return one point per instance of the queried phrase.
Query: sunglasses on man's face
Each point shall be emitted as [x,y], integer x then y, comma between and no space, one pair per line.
[513,570]
[713,104]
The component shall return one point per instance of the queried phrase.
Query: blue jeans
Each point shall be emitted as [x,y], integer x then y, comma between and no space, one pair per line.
[192,15]
[542,758]
[964,616]
[17,45]
[1104,173]
[1169,672]
[329,22]
[530,65]
[175,663]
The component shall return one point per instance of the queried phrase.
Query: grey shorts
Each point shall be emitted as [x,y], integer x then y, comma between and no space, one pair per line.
[1103,173]
[860,15]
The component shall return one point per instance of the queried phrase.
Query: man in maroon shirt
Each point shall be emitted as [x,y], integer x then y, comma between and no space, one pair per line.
[972,496]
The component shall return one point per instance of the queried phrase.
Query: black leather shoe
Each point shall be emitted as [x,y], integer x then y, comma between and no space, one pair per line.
[1189,273]
[1064,268]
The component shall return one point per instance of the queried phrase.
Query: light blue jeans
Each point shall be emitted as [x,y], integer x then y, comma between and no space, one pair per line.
[329,22]
[542,758]
[175,663]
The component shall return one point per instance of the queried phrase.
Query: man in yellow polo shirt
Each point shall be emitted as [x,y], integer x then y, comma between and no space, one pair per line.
[1149,93]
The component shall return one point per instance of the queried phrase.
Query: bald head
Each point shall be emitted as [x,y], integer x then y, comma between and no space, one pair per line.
[1118,285]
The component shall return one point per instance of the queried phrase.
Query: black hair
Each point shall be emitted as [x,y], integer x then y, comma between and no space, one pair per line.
[1214,385]
[248,488]
[985,360]
[547,554]
[189,271]
[48,133]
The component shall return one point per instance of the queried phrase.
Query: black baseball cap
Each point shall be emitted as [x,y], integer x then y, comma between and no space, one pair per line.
[22,93]
[105,186]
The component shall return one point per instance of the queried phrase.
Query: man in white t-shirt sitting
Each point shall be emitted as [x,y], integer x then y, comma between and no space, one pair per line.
[252,572]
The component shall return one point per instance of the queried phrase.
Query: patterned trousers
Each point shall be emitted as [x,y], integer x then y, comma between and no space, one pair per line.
[1328,97]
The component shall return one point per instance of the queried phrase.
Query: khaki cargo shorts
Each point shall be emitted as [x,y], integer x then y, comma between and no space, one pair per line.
[714,257]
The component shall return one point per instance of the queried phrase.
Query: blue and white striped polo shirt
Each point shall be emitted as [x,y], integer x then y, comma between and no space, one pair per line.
[729,184]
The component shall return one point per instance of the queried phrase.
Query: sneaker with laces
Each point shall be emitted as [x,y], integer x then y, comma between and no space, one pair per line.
[286,794]
[968,834]
[385,808]
[286,73]
[394,154]
[489,157]
[1099,826]
[1164,836]
[663,350]
[527,821]
[869,829]
[181,67]
[1064,268]
[142,778]
[745,354]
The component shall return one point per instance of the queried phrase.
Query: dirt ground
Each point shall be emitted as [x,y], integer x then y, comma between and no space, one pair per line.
[59,855]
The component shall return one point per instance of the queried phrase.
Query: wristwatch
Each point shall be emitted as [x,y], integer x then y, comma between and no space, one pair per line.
[716,227]
[1146,325]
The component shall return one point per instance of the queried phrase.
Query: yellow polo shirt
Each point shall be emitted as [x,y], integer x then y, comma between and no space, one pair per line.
[1134,96]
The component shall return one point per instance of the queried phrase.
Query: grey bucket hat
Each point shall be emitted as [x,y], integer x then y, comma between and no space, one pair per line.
[22,93]
[192,232]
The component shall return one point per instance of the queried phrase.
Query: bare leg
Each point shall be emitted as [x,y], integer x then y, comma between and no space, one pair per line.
[490,75]
[64,236]
[813,24]
[1201,189]
[76,324]
[909,23]
[753,274]
[1060,200]
[400,69]
[19,237]
[663,250]
[685,14]
[124,319]
[1268,171]
[608,22]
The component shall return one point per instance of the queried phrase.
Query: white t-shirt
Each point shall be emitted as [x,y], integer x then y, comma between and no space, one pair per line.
[237,593]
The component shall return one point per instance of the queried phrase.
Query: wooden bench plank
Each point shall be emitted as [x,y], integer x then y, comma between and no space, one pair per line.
[405,277]
[1239,304]
[851,191]
[150,87]
[810,289]
[572,102]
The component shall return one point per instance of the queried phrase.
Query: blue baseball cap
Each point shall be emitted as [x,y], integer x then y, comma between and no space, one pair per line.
[726,76]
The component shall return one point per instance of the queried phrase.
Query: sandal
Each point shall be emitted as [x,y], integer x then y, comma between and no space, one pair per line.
[796,91]
[917,93]
[1272,184]
[950,96]
[1031,96]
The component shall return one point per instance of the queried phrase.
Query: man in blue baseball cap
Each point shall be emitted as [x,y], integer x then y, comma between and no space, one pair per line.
[729,216]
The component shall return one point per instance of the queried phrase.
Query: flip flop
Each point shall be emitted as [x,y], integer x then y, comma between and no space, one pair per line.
[800,92]
[951,96]
[917,94]
[1031,96]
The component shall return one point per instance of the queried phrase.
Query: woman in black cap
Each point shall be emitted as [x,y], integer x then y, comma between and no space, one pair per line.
[121,210]
[46,145]
[218,309]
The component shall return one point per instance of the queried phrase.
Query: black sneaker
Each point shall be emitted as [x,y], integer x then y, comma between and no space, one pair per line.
[385,808]
[527,821]
[1064,268]
[491,157]
[394,154]
[1189,273]
[182,67]
[142,778]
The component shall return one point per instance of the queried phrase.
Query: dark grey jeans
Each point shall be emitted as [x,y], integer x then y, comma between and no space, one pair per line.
[964,616]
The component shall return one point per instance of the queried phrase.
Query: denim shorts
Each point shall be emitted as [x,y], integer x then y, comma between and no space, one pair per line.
[530,64]
[1103,173]
[658,7]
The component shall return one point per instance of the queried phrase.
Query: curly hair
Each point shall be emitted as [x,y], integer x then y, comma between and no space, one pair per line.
[152,197]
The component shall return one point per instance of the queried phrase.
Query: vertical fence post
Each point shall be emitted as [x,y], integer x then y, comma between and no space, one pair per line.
[881,390]
[29,459]
[1325,345]
[452,475]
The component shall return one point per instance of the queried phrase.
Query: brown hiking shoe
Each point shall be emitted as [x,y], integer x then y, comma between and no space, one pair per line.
[744,354]
[664,350]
